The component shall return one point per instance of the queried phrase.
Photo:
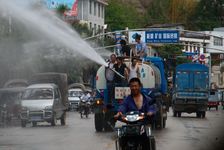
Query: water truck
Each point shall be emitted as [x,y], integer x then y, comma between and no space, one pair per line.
[154,85]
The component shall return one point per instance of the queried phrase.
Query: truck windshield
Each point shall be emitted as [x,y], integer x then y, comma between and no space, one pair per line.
[38,93]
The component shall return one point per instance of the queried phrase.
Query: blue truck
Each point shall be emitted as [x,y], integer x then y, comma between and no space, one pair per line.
[154,84]
[190,89]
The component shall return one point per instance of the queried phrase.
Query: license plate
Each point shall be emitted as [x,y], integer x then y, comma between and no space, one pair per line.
[192,102]
[36,118]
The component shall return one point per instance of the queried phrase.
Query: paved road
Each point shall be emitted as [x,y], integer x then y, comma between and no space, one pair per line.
[185,133]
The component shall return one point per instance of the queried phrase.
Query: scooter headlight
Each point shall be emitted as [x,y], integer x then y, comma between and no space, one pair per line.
[131,118]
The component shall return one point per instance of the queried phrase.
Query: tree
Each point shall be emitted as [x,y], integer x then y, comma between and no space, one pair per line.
[119,15]
[208,15]
[180,10]
[173,54]
[61,9]
[157,12]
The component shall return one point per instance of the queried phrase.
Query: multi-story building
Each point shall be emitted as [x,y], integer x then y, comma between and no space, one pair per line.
[207,43]
[216,44]
[92,12]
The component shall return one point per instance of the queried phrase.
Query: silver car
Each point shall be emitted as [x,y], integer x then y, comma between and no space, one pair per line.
[42,102]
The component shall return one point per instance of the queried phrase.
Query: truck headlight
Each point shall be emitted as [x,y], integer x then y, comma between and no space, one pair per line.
[99,102]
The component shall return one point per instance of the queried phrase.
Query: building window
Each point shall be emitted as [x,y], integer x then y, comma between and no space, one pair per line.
[90,7]
[217,41]
[94,8]
[99,9]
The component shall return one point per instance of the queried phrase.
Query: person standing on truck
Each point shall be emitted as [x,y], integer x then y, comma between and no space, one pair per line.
[134,69]
[137,101]
[141,47]
[125,49]
[120,68]
[109,74]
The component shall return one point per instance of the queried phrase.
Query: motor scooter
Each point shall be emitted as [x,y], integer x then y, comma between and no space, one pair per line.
[5,116]
[135,134]
[84,108]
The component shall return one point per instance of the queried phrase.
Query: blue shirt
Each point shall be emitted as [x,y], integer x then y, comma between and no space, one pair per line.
[141,47]
[129,105]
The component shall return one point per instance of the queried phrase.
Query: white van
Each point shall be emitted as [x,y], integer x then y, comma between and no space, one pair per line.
[42,102]
[74,95]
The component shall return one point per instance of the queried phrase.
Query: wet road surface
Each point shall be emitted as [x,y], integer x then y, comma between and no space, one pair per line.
[185,133]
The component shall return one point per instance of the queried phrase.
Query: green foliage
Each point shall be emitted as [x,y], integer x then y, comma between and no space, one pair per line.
[158,12]
[119,15]
[208,15]
[173,55]
[61,9]
[170,50]
[82,29]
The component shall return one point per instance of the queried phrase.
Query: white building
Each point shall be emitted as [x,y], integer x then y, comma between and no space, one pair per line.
[203,42]
[92,12]
[216,40]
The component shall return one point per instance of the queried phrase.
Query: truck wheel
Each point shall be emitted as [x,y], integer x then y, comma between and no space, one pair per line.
[174,113]
[159,123]
[98,120]
[81,114]
[203,114]
[164,123]
[34,124]
[198,114]
[23,123]
[179,114]
[53,121]
[63,117]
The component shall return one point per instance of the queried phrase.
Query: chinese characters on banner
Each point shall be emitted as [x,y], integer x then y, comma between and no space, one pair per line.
[122,92]
[166,36]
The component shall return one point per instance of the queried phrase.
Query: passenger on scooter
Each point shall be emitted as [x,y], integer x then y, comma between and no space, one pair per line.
[137,101]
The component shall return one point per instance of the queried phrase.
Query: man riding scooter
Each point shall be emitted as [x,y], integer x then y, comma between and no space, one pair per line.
[144,106]
[84,105]
[137,101]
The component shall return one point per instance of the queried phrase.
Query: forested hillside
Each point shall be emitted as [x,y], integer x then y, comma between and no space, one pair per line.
[194,14]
